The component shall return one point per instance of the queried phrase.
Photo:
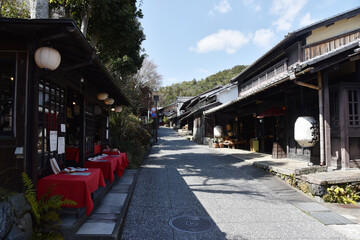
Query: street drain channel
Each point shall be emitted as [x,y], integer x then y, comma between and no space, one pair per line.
[191,224]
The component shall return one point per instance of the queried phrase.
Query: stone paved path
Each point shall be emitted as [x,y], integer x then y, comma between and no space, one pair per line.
[180,178]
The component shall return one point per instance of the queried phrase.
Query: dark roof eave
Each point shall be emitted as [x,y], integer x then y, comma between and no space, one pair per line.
[75,32]
[293,35]
[78,34]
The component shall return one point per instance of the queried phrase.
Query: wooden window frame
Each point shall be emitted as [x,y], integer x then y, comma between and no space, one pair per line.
[51,114]
[12,132]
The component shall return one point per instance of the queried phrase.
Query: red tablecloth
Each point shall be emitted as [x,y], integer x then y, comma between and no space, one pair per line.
[124,161]
[97,149]
[72,153]
[108,166]
[110,152]
[73,187]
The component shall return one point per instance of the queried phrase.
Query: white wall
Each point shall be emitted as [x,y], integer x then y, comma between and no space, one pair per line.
[228,95]
[338,28]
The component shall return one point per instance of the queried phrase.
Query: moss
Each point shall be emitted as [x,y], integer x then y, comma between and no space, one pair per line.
[303,187]
[5,194]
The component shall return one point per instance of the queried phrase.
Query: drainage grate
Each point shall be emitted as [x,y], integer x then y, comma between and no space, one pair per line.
[330,218]
[191,224]
[310,206]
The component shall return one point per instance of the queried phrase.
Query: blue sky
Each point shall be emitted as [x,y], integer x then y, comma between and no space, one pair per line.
[190,39]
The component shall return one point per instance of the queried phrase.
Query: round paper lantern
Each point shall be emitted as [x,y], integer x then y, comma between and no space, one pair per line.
[218,131]
[47,58]
[102,96]
[306,131]
[109,101]
[118,109]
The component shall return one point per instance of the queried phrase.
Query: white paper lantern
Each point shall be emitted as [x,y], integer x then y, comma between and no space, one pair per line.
[118,109]
[306,131]
[102,96]
[218,131]
[109,101]
[47,58]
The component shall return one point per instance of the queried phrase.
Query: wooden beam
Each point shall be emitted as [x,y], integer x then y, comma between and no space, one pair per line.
[306,85]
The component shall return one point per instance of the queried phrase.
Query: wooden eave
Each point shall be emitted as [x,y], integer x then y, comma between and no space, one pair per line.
[77,56]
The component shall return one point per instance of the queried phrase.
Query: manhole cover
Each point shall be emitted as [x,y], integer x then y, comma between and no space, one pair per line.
[191,224]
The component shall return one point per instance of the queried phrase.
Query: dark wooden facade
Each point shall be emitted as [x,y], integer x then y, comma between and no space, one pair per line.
[37,102]
[313,72]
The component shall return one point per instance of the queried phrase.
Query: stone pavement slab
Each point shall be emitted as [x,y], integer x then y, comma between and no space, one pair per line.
[107,217]
[335,177]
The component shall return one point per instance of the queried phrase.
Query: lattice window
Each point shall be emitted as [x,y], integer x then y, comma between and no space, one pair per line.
[89,130]
[353,96]
[280,69]
[7,93]
[51,114]
[334,108]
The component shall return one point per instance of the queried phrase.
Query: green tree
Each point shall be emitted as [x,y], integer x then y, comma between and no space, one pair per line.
[194,87]
[14,9]
[113,28]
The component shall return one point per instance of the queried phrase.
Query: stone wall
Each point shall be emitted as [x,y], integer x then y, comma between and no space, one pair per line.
[15,218]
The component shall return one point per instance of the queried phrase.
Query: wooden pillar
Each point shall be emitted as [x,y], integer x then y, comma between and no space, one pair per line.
[321,119]
[327,128]
[34,75]
[344,130]
[82,137]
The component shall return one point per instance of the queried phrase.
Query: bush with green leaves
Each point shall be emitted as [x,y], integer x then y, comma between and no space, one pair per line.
[129,135]
[45,212]
[342,194]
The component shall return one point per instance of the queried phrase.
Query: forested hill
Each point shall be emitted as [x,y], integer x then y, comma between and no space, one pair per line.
[168,94]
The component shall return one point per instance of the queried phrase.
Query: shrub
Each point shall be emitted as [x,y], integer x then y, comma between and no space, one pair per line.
[45,212]
[342,194]
[129,135]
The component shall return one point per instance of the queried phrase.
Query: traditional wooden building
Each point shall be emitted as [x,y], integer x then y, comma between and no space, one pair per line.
[46,113]
[314,72]
[202,127]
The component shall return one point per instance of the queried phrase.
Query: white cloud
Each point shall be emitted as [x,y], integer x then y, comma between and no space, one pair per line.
[307,20]
[251,4]
[264,38]
[287,10]
[228,40]
[223,6]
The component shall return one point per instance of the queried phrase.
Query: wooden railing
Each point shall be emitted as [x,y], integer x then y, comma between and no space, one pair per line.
[264,78]
[319,48]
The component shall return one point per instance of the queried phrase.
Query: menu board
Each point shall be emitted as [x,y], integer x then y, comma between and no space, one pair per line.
[61,145]
[53,141]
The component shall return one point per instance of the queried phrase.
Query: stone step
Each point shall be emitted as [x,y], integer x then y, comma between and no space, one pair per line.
[109,209]
[106,219]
